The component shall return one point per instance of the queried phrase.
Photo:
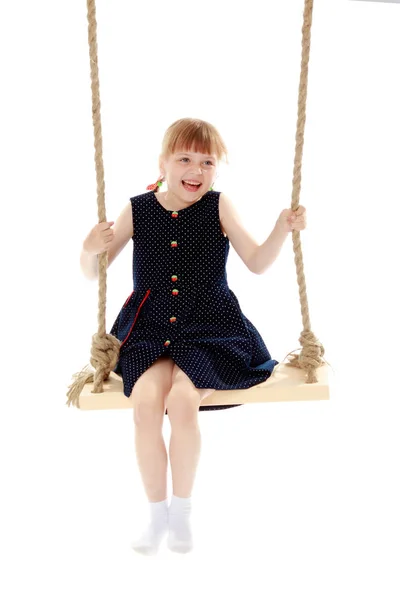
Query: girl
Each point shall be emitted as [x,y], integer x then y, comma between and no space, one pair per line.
[182,331]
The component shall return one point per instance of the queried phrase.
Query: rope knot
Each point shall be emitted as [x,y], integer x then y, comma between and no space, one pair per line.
[104,357]
[104,352]
[310,357]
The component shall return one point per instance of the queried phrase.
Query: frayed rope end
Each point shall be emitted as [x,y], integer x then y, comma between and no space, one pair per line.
[74,390]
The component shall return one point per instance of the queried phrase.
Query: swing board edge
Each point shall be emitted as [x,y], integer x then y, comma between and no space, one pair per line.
[286,384]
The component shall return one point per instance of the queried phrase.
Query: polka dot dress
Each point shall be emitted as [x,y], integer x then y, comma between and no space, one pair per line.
[182,306]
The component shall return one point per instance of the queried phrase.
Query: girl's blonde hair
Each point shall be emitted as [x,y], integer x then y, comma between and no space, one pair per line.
[186,134]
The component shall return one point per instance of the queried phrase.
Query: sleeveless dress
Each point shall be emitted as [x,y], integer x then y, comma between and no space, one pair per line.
[181,305]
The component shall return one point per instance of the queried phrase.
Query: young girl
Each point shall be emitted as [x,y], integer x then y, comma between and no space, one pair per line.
[182,331]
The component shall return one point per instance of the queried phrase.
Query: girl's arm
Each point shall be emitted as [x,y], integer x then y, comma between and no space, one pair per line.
[123,232]
[89,265]
[256,258]
[268,252]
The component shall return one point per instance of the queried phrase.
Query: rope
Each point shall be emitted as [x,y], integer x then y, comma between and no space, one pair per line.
[105,347]
[310,357]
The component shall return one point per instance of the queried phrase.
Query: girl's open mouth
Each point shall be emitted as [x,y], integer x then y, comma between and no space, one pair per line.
[191,188]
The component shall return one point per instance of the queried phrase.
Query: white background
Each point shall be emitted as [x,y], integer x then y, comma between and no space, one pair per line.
[291,500]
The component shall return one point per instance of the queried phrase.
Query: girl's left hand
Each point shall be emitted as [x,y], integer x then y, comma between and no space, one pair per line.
[290,220]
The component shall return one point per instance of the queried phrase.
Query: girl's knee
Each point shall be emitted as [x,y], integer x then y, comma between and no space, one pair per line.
[148,408]
[183,404]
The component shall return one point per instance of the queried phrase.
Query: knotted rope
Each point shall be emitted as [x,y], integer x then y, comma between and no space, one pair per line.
[105,347]
[310,357]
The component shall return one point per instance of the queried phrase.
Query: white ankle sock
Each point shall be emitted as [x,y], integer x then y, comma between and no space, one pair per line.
[150,539]
[180,533]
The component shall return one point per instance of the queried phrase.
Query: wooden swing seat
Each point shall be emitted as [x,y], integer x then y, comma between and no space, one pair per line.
[285,384]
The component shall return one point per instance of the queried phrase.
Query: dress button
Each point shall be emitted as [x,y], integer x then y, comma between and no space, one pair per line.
[172,319]
[175,292]
[174,244]
[167,342]
[174,277]
[174,215]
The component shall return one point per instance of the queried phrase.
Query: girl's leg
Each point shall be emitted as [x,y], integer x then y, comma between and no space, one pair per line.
[148,398]
[183,406]
[183,403]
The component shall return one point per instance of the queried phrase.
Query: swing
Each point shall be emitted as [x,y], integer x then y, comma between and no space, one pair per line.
[289,381]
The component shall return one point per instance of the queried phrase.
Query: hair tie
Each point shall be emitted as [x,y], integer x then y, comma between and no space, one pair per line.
[158,183]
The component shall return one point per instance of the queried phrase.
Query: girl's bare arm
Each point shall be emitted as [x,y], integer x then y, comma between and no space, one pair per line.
[123,232]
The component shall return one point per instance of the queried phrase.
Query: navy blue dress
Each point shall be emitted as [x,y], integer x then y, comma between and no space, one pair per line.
[181,305]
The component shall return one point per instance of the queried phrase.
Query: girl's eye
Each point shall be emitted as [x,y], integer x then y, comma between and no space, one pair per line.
[186,158]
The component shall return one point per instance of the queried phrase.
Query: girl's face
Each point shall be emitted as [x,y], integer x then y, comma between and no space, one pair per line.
[189,166]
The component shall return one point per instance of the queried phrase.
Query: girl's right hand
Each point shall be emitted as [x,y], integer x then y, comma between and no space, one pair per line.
[100,238]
